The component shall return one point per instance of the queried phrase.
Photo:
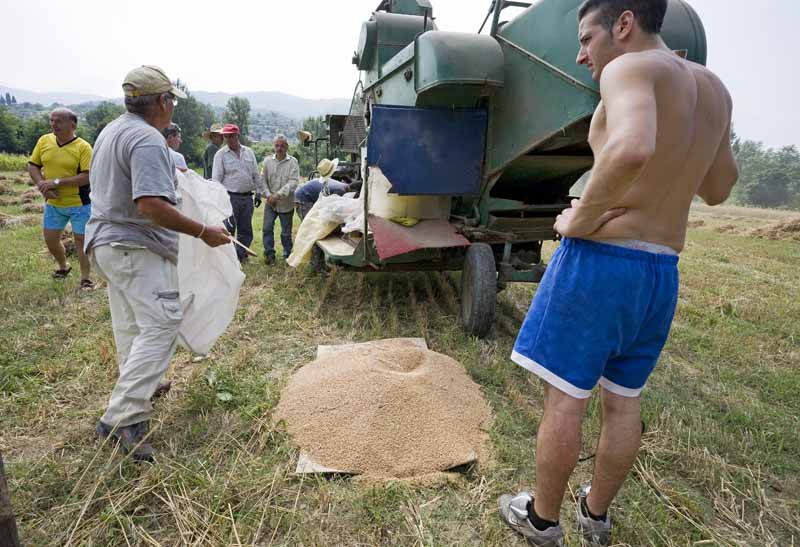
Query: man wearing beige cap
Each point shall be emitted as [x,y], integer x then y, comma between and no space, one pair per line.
[132,238]
[214,134]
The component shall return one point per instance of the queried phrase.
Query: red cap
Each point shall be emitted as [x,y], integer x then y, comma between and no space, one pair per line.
[230,129]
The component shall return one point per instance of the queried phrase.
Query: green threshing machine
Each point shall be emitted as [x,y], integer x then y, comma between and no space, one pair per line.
[480,137]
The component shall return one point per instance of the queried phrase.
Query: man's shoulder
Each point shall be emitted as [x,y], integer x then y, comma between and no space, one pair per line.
[130,124]
[47,139]
[81,143]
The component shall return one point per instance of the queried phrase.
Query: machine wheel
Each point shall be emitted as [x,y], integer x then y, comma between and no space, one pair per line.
[478,290]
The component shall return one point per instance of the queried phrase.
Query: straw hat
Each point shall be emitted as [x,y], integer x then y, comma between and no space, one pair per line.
[327,167]
[215,128]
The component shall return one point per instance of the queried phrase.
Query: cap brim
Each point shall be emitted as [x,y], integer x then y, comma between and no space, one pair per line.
[178,93]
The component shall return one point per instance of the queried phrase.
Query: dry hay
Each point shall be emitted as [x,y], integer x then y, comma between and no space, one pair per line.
[727,229]
[5,188]
[5,201]
[68,242]
[11,221]
[788,230]
[696,223]
[33,208]
[386,411]
[31,195]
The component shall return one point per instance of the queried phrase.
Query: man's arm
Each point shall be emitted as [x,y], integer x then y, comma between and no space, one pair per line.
[41,184]
[166,215]
[258,182]
[724,172]
[81,179]
[628,91]
[218,170]
[265,178]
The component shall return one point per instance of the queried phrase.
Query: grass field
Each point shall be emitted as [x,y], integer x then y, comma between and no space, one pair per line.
[720,463]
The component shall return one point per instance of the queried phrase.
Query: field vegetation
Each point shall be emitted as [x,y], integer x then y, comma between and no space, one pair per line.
[719,465]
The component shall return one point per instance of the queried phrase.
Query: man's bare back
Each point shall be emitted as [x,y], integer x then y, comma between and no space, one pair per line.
[692,118]
[660,136]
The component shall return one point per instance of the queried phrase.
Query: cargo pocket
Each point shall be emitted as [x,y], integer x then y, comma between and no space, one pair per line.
[170,303]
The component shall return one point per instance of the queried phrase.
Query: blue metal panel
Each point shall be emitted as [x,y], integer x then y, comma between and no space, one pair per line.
[428,152]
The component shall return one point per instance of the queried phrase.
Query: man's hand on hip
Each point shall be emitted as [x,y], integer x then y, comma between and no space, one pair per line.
[570,224]
[214,236]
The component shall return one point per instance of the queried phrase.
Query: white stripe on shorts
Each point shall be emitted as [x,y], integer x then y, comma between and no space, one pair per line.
[617,389]
[549,377]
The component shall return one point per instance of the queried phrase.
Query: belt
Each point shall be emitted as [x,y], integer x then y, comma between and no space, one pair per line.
[241,193]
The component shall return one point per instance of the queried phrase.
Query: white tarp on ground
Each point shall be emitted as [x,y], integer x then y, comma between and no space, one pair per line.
[209,279]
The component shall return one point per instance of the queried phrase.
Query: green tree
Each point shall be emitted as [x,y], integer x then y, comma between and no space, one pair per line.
[767,177]
[30,131]
[771,189]
[2,100]
[13,100]
[193,117]
[238,111]
[8,98]
[100,116]
[9,130]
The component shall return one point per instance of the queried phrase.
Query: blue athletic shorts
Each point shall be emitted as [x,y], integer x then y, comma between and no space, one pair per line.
[56,218]
[602,313]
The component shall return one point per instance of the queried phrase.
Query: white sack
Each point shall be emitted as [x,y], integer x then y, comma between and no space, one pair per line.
[209,279]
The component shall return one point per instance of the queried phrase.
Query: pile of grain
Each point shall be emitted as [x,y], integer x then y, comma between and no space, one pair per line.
[788,230]
[5,188]
[387,411]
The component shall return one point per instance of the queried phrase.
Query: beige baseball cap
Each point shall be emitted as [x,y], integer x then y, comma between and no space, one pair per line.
[149,80]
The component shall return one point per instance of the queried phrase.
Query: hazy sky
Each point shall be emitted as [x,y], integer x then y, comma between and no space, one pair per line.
[304,47]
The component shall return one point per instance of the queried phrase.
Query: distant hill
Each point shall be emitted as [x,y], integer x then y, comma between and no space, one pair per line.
[46,99]
[287,105]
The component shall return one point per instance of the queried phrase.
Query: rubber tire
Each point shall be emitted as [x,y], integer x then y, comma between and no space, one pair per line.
[478,290]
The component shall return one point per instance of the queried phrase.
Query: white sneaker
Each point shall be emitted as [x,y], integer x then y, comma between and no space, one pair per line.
[596,532]
[514,511]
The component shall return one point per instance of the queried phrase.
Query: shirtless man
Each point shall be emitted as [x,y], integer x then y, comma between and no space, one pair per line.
[602,314]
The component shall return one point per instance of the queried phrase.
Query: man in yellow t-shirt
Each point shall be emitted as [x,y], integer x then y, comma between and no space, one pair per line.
[59,166]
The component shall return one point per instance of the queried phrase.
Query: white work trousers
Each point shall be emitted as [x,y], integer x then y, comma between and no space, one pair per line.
[146,315]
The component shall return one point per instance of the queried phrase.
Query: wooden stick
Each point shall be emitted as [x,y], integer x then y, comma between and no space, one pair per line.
[8,526]
[248,250]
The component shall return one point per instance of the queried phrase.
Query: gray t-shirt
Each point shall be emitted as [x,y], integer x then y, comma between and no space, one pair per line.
[131,160]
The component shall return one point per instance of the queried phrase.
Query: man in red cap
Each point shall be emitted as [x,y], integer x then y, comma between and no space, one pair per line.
[236,168]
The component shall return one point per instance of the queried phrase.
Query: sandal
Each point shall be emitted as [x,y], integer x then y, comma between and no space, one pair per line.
[61,274]
[87,285]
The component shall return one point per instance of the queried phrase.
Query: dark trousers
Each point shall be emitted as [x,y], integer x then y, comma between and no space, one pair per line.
[270,215]
[241,223]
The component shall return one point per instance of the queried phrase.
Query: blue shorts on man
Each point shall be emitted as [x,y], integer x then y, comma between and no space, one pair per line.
[56,218]
[602,313]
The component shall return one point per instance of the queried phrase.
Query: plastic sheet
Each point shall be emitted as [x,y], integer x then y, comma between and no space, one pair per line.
[209,279]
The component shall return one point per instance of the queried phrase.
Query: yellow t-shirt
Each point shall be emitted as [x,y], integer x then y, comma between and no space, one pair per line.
[62,161]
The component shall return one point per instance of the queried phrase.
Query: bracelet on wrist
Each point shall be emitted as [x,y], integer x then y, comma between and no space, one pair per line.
[201,232]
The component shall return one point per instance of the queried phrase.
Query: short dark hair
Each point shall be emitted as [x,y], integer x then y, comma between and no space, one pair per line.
[170,130]
[649,13]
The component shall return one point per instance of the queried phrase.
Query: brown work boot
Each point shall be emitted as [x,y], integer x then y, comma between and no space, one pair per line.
[130,439]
